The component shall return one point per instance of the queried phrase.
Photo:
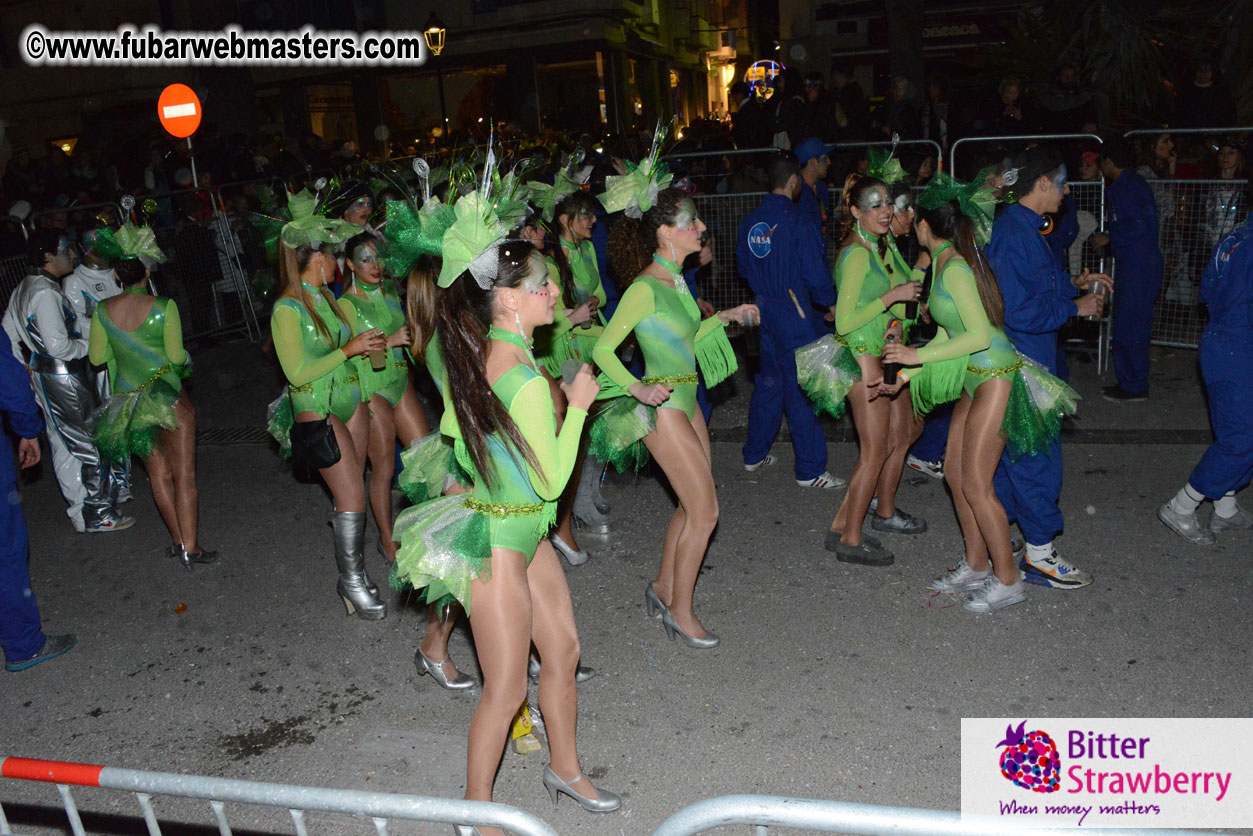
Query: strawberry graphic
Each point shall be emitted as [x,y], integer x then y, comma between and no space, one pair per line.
[1030,759]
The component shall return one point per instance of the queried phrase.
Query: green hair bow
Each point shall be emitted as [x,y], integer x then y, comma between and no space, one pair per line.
[130,241]
[977,200]
[546,197]
[308,227]
[470,242]
[636,191]
[883,166]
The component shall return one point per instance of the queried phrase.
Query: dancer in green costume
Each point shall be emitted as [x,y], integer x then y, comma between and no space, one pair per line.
[372,302]
[1003,396]
[487,549]
[646,248]
[314,342]
[871,293]
[148,414]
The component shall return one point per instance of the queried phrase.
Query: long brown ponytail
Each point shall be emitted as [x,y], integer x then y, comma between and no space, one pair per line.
[948,222]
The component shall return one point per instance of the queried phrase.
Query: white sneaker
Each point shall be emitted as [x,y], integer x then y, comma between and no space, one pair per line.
[961,579]
[1054,572]
[994,595]
[1185,525]
[766,462]
[933,469]
[1238,520]
[825,480]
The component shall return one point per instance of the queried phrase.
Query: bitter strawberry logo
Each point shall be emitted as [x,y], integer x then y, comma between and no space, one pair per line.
[1030,759]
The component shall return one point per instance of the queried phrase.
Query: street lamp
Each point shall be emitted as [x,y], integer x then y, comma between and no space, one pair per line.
[434,37]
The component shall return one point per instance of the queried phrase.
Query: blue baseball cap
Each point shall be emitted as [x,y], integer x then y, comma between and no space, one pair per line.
[811,148]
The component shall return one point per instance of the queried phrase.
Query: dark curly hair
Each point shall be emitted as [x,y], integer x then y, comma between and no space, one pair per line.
[632,241]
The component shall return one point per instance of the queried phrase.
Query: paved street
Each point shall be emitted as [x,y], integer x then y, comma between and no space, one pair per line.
[832,681]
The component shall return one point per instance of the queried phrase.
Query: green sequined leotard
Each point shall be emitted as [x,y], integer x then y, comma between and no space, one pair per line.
[955,306]
[446,543]
[380,309]
[321,378]
[860,279]
[671,335]
[1037,400]
[145,370]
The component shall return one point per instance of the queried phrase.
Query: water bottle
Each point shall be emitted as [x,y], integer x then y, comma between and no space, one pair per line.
[1099,290]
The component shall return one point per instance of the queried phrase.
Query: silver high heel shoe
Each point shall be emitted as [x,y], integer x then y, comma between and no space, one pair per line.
[188,558]
[574,558]
[581,674]
[436,670]
[652,604]
[673,630]
[349,527]
[607,803]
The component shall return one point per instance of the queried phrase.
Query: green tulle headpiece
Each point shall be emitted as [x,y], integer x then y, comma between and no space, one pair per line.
[129,241]
[303,222]
[635,192]
[977,200]
[883,165]
[546,197]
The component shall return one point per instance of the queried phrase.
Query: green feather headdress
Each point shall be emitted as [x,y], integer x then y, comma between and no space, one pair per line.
[546,197]
[130,241]
[883,165]
[412,231]
[977,199]
[635,192]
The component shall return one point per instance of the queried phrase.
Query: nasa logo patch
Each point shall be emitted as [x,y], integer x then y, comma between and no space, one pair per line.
[759,239]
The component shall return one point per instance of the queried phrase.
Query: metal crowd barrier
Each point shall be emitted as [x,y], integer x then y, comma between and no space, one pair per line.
[765,811]
[12,271]
[1001,140]
[379,807]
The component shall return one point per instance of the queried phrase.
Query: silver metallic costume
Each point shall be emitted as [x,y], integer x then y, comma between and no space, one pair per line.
[40,324]
[85,288]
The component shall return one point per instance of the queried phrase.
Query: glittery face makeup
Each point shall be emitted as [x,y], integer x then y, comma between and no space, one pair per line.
[686,217]
[536,280]
[903,203]
[873,199]
[1059,179]
[364,254]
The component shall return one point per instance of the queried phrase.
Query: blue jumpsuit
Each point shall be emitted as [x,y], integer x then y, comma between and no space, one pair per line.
[1138,261]
[813,206]
[777,250]
[1039,299]
[1065,231]
[20,636]
[1226,353]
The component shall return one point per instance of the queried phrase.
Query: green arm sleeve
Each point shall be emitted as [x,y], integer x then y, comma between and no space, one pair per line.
[285,328]
[960,283]
[174,351]
[98,350]
[532,411]
[853,269]
[349,310]
[635,305]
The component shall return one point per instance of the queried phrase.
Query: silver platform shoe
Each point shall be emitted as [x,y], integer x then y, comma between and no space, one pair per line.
[349,527]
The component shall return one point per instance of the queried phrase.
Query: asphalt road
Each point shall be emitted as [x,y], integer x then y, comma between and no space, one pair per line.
[832,681]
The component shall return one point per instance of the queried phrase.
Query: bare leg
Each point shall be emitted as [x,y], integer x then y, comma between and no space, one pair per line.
[903,431]
[179,448]
[382,444]
[162,482]
[678,446]
[982,451]
[871,419]
[409,418]
[344,478]
[565,507]
[954,469]
[501,622]
[557,640]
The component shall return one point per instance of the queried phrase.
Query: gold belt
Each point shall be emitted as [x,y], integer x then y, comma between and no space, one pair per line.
[308,387]
[503,510]
[161,372]
[1010,369]
[670,379]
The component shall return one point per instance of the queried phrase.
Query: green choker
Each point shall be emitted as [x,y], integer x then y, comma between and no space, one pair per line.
[947,245]
[505,336]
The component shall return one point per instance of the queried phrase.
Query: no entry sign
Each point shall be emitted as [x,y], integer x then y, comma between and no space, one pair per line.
[179,110]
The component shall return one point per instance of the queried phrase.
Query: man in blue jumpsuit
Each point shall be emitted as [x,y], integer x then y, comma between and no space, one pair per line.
[24,644]
[1226,353]
[1039,298]
[1132,211]
[778,252]
[812,156]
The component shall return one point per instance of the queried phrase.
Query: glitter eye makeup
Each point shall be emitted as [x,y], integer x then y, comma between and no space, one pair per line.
[1059,179]
[903,203]
[686,217]
[364,254]
[874,200]
[584,215]
[536,280]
